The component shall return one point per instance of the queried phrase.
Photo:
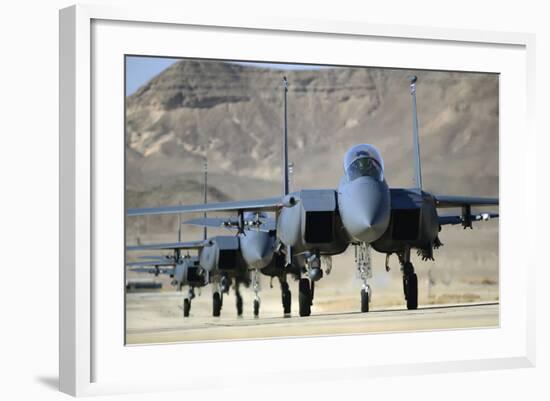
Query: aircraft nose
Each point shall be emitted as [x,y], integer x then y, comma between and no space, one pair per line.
[365,209]
[259,253]
[371,222]
[368,216]
[257,249]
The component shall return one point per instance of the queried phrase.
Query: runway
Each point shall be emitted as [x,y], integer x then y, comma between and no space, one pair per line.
[169,326]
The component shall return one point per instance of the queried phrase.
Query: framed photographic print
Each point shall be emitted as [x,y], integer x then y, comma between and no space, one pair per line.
[313,192]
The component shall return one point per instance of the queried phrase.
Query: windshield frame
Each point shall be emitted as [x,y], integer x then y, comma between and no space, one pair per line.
[362,151]
[364,166]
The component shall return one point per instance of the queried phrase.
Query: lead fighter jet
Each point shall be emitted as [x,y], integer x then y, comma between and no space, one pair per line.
[363,211]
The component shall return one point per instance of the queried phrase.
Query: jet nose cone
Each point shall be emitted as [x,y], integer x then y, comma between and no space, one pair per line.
[257,249]
[365,208]
[371,222]
[260,257]
[368,215]
[259,254]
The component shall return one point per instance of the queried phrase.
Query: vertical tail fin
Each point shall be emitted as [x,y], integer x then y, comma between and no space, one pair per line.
[416,140]
[285,143]
[204,235]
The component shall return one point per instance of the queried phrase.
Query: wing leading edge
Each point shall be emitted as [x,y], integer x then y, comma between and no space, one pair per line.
[259,205]
[460,201]
[170,246]
[151,263]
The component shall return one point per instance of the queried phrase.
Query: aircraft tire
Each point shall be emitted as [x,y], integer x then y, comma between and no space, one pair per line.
[186,307]
[304,297]
[239,305]
[287,302]
[408,269]
[412,291]
[286,298]
[364,301]
[256,308]
[216,304]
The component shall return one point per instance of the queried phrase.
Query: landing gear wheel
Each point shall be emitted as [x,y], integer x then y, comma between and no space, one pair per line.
[411,289]
[304,297]
[216,304]
[186,307]
[239,305]
[364,300]
[408,270]
[286,298]
[256,308]
[287,302]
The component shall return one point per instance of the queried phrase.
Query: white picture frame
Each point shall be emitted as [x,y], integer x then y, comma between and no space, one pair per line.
[86,331]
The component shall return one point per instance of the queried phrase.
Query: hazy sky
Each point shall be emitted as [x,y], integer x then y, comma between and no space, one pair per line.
[140,69]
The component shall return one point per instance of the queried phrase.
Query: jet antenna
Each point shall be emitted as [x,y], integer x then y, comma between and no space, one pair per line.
[179,226]
[205,193]
[416,140]
[285,142]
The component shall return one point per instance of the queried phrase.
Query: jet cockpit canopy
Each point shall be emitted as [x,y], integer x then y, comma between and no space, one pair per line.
[363,161]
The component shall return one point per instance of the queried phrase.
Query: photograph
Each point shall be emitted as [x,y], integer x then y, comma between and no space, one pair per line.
[276,200]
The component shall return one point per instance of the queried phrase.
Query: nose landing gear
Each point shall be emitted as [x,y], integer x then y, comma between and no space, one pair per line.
[365,299]
[239,300]
[256,288]
[364,271]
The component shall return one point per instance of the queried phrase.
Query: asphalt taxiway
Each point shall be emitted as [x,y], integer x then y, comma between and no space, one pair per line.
[157,318]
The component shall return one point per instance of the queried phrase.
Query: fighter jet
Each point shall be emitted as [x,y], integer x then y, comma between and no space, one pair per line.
[257,240]
[184,270]
[363,211]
